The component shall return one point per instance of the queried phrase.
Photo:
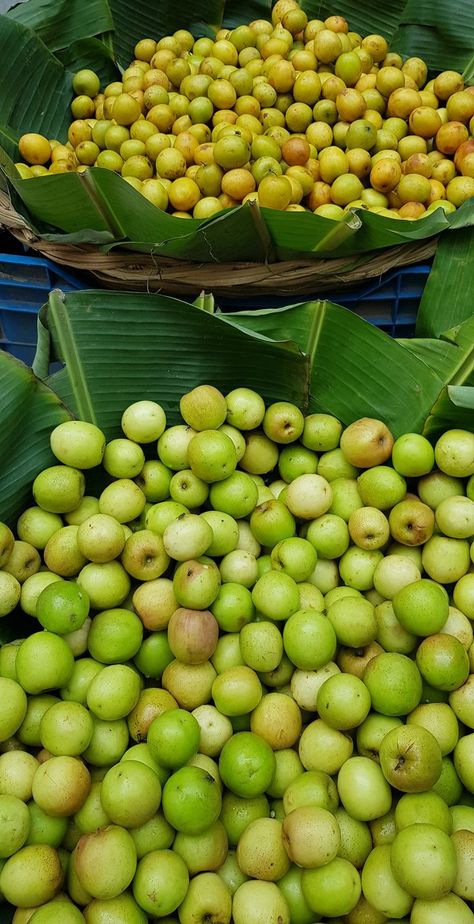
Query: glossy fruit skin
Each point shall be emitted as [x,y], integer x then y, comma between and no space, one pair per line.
[405,688]
[183,796]
[247,764]
[437,851]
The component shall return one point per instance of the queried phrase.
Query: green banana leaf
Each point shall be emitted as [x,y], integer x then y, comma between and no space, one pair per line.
[454,409]
[469,71]
[356,369]
[93,53]
[373,232]
[447,298]
[237,12]
[60,23]
[120,346]
[29,410]
[23,105]
[436,31]
[159,18]
[451,356]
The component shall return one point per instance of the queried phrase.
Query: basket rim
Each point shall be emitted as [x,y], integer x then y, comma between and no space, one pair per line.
[137,271]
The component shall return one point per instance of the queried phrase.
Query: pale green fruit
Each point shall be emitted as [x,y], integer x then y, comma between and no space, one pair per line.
[14,824]
[203,408]
[78,444]
[59,488]
[7,541]
[10,592]
[31,876]
[143,421]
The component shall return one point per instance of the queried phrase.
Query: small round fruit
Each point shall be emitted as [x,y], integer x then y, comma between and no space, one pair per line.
[246,764]
[454,453]
[412,455]
[173,738]
[44,662]
[424,846]
[59,488]
[130,793]
[31,876]
[86,81]
[257,901]
[34,148]
[62,607]
[191,800]
[311,836]
[274,192]
[367,442]
[394,683]
[422,607]
[78,444]
[143,421]
[13,705]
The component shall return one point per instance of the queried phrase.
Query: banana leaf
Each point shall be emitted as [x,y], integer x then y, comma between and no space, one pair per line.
[469,71]
[447,298]
[373,232]
[93,53]
[159,18]
[454,409]
[356,369]
[100,202]
[29,410]
[438,32]
[60,23]
[237,12]
[27,103]
[119,346]
[451,356]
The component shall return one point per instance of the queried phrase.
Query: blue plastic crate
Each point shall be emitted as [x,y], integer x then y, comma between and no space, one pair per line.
[25,283]
[390,301]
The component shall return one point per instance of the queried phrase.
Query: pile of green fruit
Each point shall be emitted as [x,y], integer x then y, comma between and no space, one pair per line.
[242,687]
[292,114]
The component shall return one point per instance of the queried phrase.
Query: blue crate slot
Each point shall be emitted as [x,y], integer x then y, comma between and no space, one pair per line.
[25,283]
[390,302]
[18,322]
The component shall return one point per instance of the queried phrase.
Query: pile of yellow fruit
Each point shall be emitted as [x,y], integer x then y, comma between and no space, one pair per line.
[294,114]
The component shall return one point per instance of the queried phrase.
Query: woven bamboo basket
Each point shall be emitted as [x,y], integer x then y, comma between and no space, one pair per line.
[132,271]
